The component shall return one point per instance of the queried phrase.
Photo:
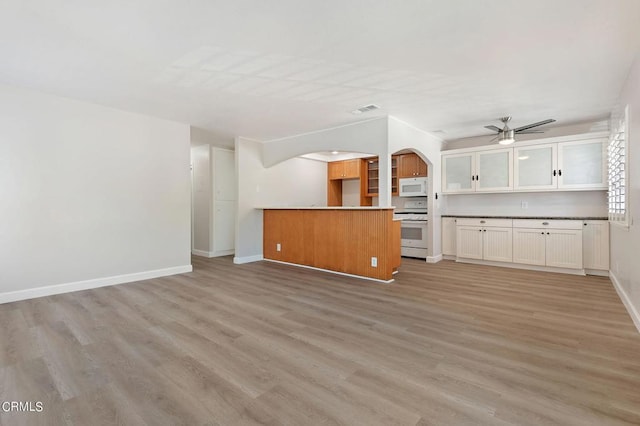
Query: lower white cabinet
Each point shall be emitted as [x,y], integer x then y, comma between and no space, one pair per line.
[565,244]
[449,236]
[595,243]
[484,239]
[555,243]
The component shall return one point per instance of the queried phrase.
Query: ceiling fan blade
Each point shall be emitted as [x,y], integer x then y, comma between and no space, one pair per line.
[494,128]
[525,132]
[494,139]
[529,126]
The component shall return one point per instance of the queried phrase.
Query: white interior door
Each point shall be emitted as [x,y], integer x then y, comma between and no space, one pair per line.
[224,225]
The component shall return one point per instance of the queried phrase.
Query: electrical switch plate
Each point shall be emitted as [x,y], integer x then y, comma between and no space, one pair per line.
[278,247]
[374,262]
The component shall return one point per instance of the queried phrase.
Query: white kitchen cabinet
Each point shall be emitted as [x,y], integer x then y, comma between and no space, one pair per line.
[494,170]
[449,236]
[458,173]
[484,239]
[469,242]
[582,165]
[497,244]
[595,243]
[535,167]
[483,171]
[529,246]
[554,243]
[563,248]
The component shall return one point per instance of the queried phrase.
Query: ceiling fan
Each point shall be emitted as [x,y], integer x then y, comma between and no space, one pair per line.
[506,135]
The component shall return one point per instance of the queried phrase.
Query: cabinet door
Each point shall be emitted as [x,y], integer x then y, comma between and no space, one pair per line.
[563,248]
[421,167]
[494,170]
[458,173]
[497,244]
[469,242]
[373,168]
[535,167]
[224,225]
[582,165]
[529,246]
[351,169]
[449,236]
[407,165]
[395,189]
[595,244]
[335,170]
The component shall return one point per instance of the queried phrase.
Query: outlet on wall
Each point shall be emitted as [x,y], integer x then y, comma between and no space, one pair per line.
[278,247]
[374,262]
[524,205]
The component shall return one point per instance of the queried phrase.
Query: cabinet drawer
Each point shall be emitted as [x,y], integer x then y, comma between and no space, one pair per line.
[467,221]
[547,224]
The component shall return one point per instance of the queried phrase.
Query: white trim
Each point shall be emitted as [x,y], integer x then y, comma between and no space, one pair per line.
[522,266]
[202,253]
[598,272]
[247,259]
[32,293]
[633,312]
[434,259]
[324,130]
[211,254]
[449,257]
[332,272]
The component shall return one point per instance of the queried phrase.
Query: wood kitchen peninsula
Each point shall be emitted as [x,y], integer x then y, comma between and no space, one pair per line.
[360,241]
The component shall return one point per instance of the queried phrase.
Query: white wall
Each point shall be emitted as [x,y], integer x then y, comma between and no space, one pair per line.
[625,242]
[576,203]
[404,136]
[89,195]
[294,182]
[201,198]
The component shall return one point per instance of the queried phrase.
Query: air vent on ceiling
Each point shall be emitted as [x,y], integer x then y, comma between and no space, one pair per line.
[365,108]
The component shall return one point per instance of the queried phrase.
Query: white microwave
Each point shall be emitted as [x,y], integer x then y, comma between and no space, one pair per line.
[414,187]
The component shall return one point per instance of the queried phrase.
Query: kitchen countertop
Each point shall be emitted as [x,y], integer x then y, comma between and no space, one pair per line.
[325,208]
[527,217]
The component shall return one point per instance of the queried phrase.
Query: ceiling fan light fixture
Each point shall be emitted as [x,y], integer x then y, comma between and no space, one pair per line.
[506,137]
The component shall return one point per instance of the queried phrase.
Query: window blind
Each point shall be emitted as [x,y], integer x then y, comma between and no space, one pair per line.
[618,172]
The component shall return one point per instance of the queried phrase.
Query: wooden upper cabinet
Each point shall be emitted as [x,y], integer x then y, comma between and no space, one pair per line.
[351,168]
[410,165]
[347,169]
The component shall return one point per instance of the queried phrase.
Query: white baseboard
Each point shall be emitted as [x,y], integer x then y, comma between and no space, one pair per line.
[633,312]
[434,259]
[449,257]
[597,272]
[332,272]
[522,266]
[210,254]
[31,293]
[247,259]
[202,253]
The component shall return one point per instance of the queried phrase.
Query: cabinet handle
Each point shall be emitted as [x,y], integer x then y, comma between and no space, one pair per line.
[477,177]
[542,233]
[554,172]
[547,233]
[479,230]
[559,172]
[483,221]
[484,230]
[545,223]
[585,224]
[473,177]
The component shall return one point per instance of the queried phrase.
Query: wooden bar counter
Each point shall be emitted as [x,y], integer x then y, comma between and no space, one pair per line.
[339,239]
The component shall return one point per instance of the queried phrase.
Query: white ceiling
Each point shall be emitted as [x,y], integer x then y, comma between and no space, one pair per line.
[268,69]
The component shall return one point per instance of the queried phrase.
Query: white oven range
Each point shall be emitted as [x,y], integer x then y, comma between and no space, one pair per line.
[413,229]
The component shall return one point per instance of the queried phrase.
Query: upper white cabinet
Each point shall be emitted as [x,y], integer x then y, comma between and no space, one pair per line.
[482,171]
[458,173]
[582,165]
[536,167]
[567,163]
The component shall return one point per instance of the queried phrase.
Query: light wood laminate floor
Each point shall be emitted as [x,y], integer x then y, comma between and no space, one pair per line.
[264,343]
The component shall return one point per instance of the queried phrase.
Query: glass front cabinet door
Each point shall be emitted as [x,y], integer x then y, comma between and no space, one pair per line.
[458,173]
[535,167]
[494,170]
[582,165]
